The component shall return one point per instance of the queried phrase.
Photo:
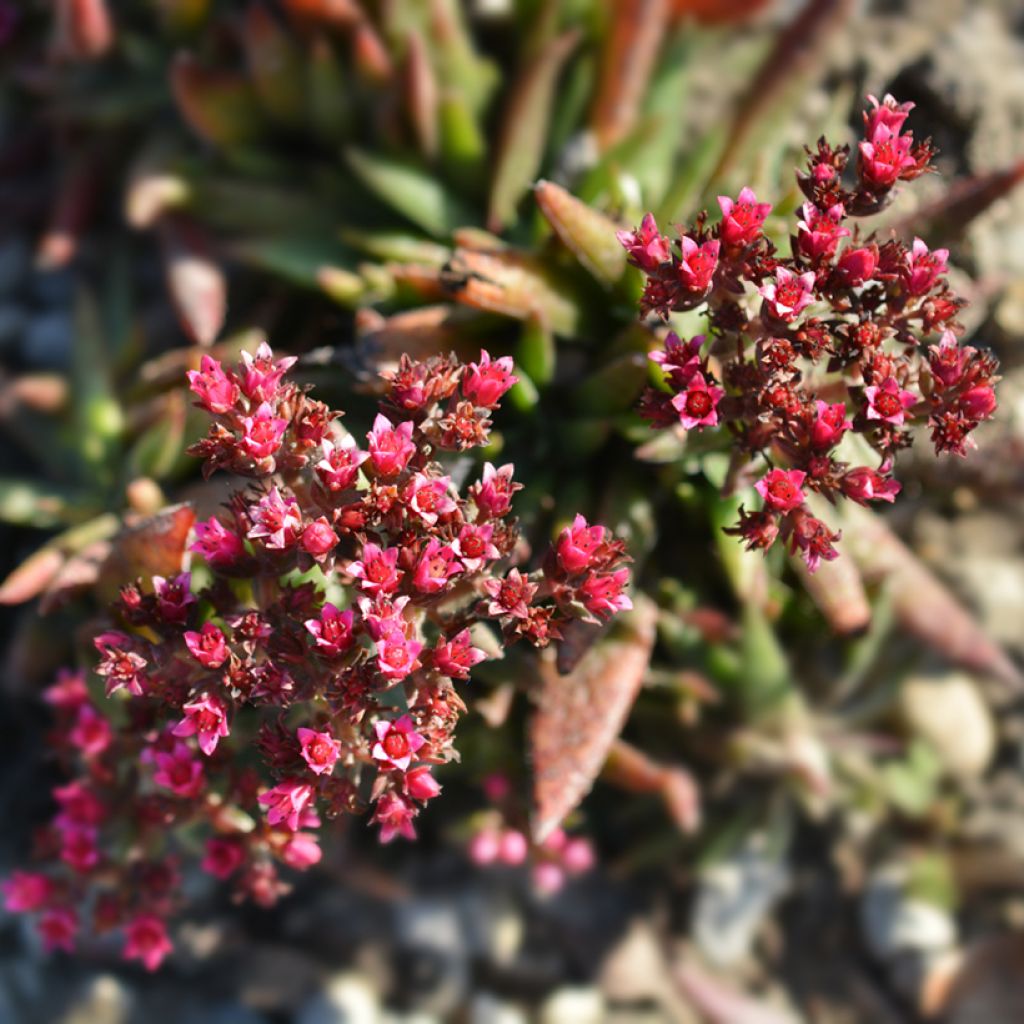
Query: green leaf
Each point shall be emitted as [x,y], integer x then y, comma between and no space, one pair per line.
[35,503]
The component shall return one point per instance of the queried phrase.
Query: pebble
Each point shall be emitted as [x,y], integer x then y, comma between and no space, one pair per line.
[581,1005]
[485,1008]
[894,924]
[346,999]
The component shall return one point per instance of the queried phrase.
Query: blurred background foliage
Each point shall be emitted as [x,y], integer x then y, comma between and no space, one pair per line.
[360,180]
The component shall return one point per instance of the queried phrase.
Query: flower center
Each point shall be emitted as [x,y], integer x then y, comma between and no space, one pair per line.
[395,744]
[782,489]
[887,403]
[698,404]
[394,655]
[472,545]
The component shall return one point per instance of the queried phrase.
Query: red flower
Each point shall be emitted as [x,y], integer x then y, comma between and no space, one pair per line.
[223,857]
[698,404]
[780,489]
[888,402]
[578,544]
[216,391]
[788,295]
[319,750]
[146,940]
[207,720]
[485,382]
[457,657]
[340,464]
[390,447]
[647,248]
[207,646]
[396,744]
[921,268]
[332,631]
[743,219]
[698,264]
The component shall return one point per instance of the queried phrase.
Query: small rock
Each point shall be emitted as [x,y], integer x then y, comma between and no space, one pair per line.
[895,924]
[581,1005]
[433,958]
[487,1009]
[103,1001]
[345,999]
[47,340]
[949,712]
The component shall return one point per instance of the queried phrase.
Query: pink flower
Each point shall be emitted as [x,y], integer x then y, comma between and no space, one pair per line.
[743,219]
[830,423]
[383,616]
[578,855]
[218,545]
[262,433]
[377,569]
[436,565]
[513,847]
[602,595]
[286,803]
[812,539]
[223,857]
[207,646]
[978,403]
[58,928]
[91,733]
[207,720]
[474,548]
[332,631]
[26,891]
[921,268]
[780,489]
[647,248]
[819,231]
[396,655]
[68,692]
[261,376]
[888,402]
[884,157]
[78,848]
[173,597]
[420,784]
[390,447]
[318,539]
[146,940]
[428,497]
[864,485]
[217,392]
[577,545]
[276,521]
[394,814]
[698,404]
[548,877]
[79,805]
[888,113]
[397,742]
[493,494]
[511,595]
[680,360]
[339,467]
[789,294]
[485,382]
[484,847]
[121,666]
[497,787]
[319,750]
[698,264]
[179,771]
[456,658]
[947,360]
[856,266]
[301,851]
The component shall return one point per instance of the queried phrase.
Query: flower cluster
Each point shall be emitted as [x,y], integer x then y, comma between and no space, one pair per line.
[804,348]
[308,668]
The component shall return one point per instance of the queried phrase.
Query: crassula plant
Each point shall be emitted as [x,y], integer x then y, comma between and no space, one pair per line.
[845,335]
[308,666]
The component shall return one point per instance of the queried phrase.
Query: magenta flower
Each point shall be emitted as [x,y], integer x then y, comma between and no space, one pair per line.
[207,720]
[396,655]
[888,114]
[57,928]
[217,544]
[26,891]
[286,802]
[511,595]
[812,539]
[319,750]
[79,805]
[578,544]
[223,857]
[780,489]
[217,392]
[485,382]
[493,494]
[947,360]
[436,565]
[397,742]
[68,692]
[884,158]
[788,295]
[262,433]
[340,464]
[978,403]
[178,771]
[420,784]
[301,851]
[121,666]
[888,402]
[78,848]
[679,360]
[173,597]
[819,231]
[390,447]
[474,548]
[603,595]
[743,219]
[261,375]
[698,264]
[207,646]
[863,485]
[394,814]
[856,266]
[276,521]
[428,497]
[922,268]
[332,632]
[457,657]
[146,940]
[382,615]
[698,404]
[377,569]
[91,733]
[830,423]
[647,248]
[318,539]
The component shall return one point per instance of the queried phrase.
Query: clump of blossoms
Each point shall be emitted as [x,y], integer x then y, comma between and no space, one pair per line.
[847,333]
[313,671]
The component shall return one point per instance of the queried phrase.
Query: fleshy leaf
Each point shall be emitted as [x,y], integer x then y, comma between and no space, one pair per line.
[194,279]
[219,106]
